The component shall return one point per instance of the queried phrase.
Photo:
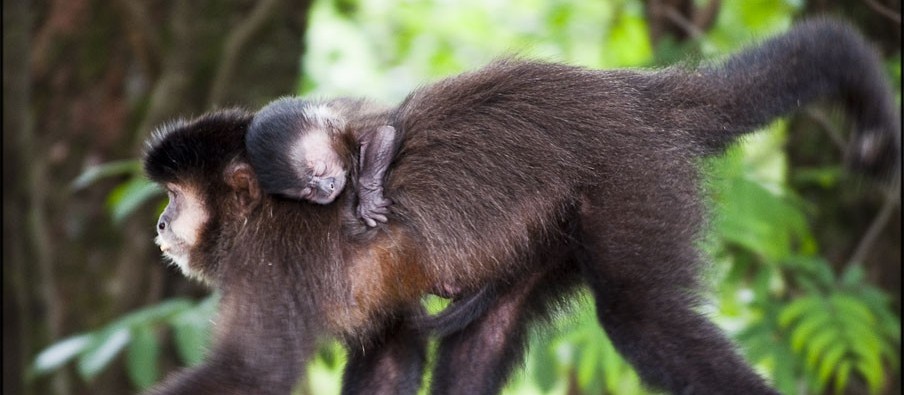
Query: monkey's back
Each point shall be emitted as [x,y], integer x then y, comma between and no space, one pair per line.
[518,140]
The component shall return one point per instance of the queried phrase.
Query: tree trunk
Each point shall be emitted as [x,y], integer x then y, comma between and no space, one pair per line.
[85,82]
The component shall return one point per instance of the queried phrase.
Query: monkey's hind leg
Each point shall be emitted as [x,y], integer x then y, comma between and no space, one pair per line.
[392,365]
[638,258]
[479,358]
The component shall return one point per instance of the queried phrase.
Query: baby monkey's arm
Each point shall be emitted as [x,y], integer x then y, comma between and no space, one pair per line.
[378,148]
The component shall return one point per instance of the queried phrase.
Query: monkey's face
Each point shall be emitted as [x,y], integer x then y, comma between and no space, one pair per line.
[325,182]
[320,172]
[180,225]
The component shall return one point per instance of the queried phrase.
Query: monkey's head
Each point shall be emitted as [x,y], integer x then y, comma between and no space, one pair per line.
[182,157]
[296,147]
[218,227]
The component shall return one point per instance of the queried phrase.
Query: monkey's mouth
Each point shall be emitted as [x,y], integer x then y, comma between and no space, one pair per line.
[324,190]
[166,247]
[176,253]
[332,194]
[172,252]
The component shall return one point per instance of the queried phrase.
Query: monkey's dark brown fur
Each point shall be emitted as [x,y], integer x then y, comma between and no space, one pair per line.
[517,182]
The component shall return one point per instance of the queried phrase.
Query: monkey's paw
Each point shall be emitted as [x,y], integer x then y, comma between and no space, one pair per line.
[373,208]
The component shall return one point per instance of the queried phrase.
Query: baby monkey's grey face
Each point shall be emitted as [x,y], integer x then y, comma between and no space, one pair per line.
[319,169]
[180,225]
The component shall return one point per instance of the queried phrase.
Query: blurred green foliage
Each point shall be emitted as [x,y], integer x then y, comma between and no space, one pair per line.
[802,326]
[137,333]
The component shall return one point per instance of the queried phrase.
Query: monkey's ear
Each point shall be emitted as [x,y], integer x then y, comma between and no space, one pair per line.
[241,178]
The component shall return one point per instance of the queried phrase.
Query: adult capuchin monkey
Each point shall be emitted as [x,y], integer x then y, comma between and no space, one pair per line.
[513,184]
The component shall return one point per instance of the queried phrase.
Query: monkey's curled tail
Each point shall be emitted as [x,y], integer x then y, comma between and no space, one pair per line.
[818,59]
[459,314]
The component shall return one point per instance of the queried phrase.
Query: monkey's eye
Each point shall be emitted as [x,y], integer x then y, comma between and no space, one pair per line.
[319,168]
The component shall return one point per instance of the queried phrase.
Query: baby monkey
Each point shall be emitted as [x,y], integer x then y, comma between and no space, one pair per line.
[300,149]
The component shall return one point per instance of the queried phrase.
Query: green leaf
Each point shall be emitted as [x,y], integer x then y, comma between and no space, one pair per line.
[824,176]
[141,362]
[191,340]
[786,370]
[853,277]
[588,365]
[545,373]
[633,49]
[107,345]
[851,309]
[127,197]
[434,304]
[880,305]
[754,209]
[828,365]
[329,354]
[192,333]
[109,169]
[817,347]
[797,308]
[810,325]
[871,370]
[614,368]
[756,348]
[60,352]
[152,314]
[812,269]
[842,376]
[862,339]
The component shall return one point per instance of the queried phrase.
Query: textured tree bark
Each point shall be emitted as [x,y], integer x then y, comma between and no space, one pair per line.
[85,81]
[680,19]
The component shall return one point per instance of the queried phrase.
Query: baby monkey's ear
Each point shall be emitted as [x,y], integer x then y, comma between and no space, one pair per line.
[241,178]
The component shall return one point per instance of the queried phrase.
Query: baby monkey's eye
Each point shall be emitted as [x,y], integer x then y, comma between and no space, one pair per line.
[319,168]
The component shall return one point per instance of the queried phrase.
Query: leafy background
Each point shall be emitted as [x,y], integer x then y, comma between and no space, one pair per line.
[806,257]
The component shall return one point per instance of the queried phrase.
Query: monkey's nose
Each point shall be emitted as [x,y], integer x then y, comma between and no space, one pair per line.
[329,183]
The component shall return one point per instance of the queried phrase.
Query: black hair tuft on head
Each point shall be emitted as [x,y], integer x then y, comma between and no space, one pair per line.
[201,146]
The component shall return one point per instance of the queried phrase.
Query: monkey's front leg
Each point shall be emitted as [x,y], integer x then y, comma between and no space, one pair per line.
[378,148]
[256,349]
